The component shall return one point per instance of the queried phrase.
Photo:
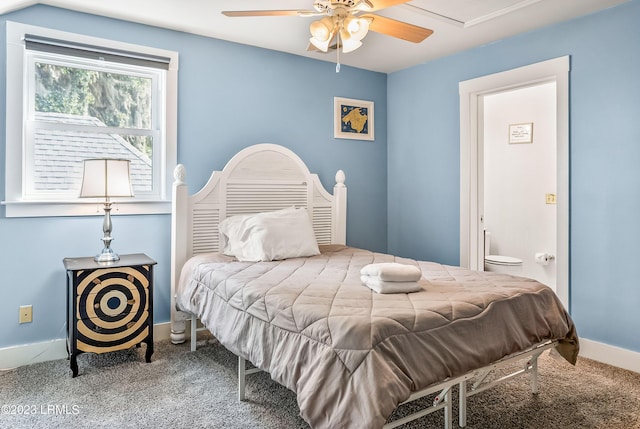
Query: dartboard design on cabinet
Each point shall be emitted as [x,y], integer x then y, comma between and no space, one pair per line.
[112,306]
[109,306]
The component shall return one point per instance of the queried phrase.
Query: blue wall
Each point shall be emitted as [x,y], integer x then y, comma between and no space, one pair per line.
[423,160]
[230,96]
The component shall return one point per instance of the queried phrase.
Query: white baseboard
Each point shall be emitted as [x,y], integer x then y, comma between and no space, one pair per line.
[27,354]
[161,331]
[13,357]
[611,355]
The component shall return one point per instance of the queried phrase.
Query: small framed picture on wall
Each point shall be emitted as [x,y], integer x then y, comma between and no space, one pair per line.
[353,119]
[521,133]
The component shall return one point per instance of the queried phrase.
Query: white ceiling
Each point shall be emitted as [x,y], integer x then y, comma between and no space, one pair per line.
[458,24]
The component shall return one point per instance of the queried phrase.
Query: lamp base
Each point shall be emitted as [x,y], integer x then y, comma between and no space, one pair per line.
[107,255]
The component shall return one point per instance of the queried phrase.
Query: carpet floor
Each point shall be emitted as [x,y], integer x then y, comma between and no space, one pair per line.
[181,389]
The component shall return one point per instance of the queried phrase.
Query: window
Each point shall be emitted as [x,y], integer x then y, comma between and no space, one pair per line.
[71,97]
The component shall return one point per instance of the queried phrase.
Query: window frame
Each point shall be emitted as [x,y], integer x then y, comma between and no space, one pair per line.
[165,153]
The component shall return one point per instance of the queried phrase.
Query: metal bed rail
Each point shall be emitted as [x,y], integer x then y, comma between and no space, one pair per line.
[479,377]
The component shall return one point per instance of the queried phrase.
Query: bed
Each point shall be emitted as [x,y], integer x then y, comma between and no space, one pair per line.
[351,355]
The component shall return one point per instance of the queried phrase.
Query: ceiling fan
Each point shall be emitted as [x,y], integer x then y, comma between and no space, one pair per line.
[346,23]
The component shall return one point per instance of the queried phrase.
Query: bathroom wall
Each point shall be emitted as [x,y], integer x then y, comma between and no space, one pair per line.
[517,178]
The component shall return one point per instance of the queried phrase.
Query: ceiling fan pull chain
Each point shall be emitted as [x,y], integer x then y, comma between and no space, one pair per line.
[338,51]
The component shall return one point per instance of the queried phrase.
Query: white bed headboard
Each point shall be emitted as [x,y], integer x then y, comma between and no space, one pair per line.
[259,178]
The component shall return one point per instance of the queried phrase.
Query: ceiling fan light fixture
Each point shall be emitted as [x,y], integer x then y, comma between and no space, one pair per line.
[357,27]
[350,45]
[322,45]
[322,29]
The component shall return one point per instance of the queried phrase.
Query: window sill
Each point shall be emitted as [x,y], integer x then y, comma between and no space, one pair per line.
[88,208]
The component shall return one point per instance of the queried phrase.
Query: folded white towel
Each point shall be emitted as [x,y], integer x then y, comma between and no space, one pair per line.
[392,272]
[381,286]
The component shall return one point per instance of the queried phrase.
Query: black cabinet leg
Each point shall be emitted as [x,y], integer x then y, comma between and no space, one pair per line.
[149,352]
[74,365]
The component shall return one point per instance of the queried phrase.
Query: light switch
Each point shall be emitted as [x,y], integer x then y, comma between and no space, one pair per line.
[551,199]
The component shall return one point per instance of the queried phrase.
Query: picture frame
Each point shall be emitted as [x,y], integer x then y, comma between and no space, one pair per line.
[521,133]
[353,119]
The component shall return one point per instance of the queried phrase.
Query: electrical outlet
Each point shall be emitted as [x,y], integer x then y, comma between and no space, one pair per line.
[551,198]
[26,313]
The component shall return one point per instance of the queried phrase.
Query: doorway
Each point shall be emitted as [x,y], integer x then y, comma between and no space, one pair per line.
[518,176]
[472,103]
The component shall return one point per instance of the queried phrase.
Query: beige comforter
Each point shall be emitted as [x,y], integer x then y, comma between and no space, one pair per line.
[352,355]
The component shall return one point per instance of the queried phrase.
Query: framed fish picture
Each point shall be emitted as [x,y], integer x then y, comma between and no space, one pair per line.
[353,119]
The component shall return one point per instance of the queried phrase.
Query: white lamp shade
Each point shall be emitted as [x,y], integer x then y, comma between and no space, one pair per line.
[350,45]
[322,30]
[357,27]
[104,178]
[320,44]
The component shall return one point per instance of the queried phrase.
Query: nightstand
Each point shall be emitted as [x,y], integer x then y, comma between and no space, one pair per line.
[109,305]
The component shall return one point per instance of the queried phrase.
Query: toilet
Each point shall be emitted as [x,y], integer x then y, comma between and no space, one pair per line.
[499,263]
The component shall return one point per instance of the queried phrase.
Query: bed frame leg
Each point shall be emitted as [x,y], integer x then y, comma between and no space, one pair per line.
[194,333]
[242,372]
[448,410]
[534,374]
[177,332]
[462,404]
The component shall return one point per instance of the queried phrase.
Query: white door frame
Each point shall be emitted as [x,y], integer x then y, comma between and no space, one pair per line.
[471,93]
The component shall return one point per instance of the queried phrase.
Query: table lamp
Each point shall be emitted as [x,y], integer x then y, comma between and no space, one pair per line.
[106,178]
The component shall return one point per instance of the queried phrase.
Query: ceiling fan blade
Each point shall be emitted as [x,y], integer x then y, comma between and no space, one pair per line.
[383,4]
[238,13]
[399,29]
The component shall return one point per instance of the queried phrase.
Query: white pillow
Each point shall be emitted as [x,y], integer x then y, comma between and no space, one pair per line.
[270,236]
